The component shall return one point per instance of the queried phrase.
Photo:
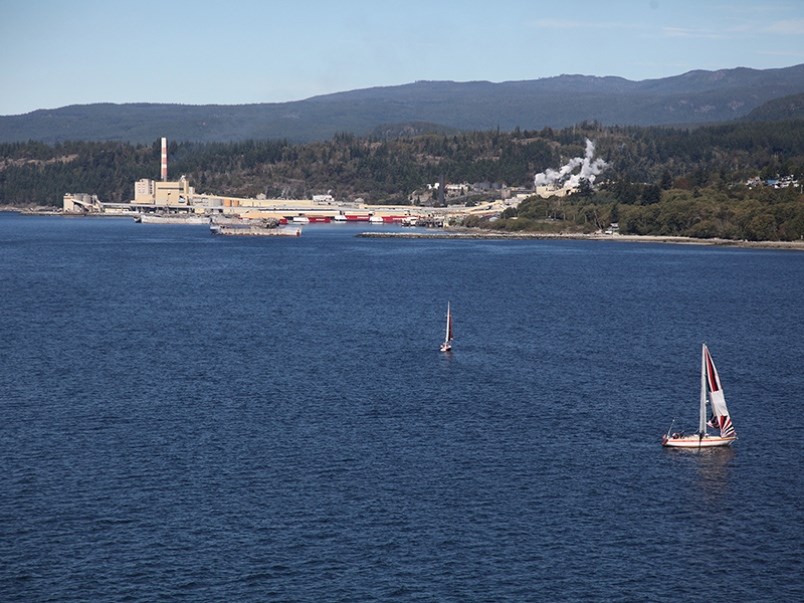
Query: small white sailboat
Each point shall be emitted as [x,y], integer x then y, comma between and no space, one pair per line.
[447,345]
[719,419]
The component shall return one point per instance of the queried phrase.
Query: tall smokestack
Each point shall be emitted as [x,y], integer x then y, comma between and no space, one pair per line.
[164,160]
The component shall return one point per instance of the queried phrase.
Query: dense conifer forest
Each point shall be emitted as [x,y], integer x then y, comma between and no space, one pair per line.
[705,181]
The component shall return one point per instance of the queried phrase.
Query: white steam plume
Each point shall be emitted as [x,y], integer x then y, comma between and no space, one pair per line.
[563,176]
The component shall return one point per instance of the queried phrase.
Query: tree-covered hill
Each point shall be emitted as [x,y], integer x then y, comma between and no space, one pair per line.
[656,180]
[737,213]
[787,107]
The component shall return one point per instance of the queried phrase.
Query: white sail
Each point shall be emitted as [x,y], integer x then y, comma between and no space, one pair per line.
[447,346]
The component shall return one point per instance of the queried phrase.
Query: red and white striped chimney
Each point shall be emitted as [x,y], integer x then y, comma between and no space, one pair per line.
[164,160]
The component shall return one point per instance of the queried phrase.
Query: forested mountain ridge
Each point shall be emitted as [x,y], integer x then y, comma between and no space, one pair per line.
[695,97]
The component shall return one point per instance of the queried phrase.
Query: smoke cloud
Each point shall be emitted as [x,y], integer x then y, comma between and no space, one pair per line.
[564,176]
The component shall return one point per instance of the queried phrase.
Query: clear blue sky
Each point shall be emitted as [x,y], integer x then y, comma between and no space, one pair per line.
[57,53]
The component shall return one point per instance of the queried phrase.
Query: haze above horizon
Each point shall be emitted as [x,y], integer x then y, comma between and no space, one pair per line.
[248,51]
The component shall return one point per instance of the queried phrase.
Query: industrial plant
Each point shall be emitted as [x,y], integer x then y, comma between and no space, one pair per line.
[177,201]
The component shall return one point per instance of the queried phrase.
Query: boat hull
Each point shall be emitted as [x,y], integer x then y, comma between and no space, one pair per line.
[695,441]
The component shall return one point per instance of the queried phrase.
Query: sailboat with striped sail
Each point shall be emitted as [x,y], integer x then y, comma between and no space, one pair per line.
[447,345]
[719,418]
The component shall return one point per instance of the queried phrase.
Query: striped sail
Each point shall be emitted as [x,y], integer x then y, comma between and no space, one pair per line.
[720,412]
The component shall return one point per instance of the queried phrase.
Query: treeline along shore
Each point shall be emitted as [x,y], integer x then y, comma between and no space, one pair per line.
[736,181]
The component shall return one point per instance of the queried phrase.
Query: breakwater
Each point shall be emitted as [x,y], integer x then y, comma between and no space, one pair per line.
[254,231]
[513,236]
[451,235]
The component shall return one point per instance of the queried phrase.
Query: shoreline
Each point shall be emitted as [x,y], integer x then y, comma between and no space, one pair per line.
[467,234]
[478,234]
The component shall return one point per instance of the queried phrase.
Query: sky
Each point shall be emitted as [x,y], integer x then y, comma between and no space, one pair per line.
[59,53]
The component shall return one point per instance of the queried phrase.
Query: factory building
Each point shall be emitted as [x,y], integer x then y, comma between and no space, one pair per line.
[163,194]
[81,203]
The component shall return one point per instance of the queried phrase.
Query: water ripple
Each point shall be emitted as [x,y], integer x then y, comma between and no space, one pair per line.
[184,419]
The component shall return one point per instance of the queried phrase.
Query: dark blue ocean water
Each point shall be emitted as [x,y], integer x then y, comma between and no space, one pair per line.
[194,418]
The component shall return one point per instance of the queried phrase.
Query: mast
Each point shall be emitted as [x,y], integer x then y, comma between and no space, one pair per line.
[448,334]
[702,417]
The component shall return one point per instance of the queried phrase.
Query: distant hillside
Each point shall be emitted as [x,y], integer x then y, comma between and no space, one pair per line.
[787,107]
[692,98]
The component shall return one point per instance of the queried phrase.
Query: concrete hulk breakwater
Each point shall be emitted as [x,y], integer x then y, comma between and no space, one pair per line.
[445,235]
[171,219]
[515,236]
[254,231]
